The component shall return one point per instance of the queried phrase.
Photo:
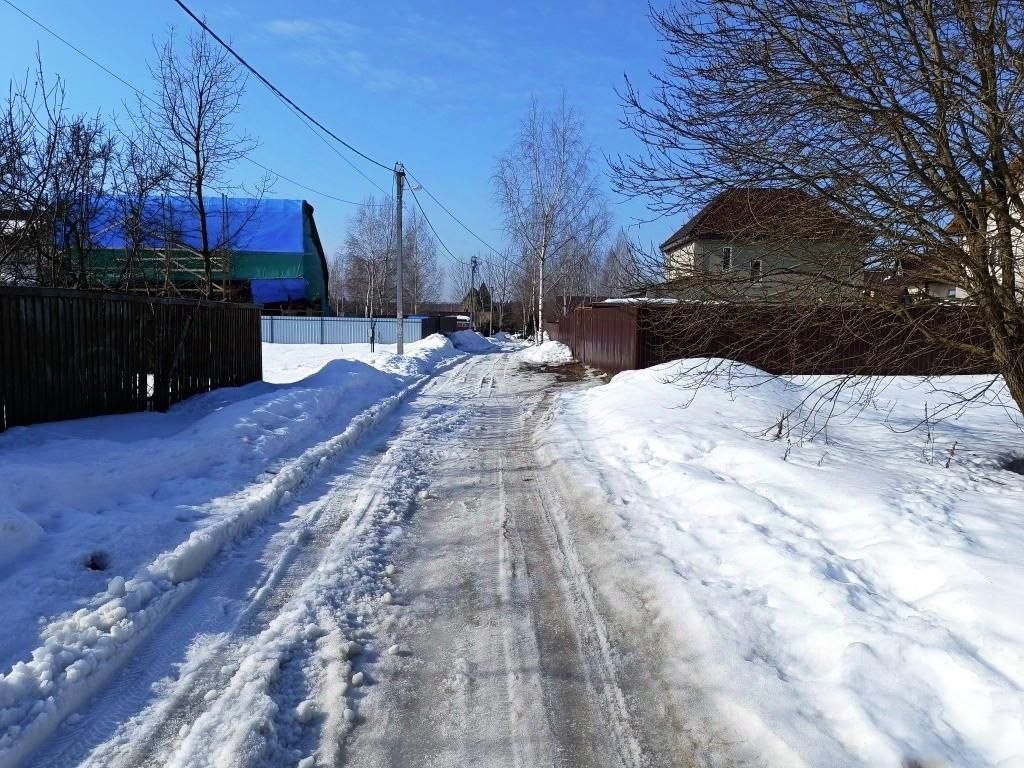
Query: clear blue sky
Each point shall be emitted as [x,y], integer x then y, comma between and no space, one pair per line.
[440,85]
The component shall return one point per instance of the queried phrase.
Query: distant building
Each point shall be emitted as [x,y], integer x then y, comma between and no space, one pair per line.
[266,251]
[758,242]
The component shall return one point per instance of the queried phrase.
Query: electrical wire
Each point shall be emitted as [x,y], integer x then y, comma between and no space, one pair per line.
[497,253]
[280,94]
[298,111]
[430,224]
[277,90]
[149,98]
[455,218]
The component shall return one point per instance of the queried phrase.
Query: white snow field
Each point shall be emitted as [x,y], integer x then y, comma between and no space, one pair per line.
[844,599]
[425,598]
[106,523]
[459,558]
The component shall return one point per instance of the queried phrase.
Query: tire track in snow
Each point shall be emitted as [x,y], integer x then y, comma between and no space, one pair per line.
[288,557]
[510,650]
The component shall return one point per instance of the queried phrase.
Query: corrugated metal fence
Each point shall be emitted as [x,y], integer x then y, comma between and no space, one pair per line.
[604,337]
[72,354]
[344,330]
[779,339]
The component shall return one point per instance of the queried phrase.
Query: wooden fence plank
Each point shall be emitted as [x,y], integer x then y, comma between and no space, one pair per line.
[73,354]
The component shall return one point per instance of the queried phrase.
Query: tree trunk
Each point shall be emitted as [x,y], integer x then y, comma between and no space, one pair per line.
[1010,362]
[204,237]
[538,334]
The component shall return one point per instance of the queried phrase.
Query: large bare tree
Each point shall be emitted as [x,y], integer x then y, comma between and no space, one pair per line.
[369,257]
[423,278]
[30,127]
[55,171]
[903,116]
[547,187]
[501,271]
[199,88]
[80,182]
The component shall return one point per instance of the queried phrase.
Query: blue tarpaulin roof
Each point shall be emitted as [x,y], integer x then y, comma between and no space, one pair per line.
[268,240]
[265,226]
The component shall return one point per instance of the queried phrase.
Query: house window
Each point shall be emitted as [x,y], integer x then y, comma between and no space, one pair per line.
[951,293]
[727,258]
[756,270]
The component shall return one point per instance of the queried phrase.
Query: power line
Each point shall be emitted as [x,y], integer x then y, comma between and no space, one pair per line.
[453,216]
[149,98]
[497,253]
[296,109]
[430,224]
[276,90]
[280,94]
[337,151]
[75,48]
[307,188]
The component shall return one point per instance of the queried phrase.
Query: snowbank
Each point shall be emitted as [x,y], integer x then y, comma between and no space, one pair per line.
[17,532]
[148,500]
[842,599]
[471,341]
[548,353]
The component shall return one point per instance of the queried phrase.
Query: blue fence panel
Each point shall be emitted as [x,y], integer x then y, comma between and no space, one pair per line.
[338,330]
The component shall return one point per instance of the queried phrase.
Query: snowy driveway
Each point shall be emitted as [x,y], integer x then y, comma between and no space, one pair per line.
[427,601]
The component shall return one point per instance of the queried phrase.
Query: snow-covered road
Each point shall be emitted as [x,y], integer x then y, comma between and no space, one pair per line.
[506,657]
[426,599]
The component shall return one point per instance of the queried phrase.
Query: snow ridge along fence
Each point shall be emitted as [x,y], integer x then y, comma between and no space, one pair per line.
[345,330]
[72,354]
[778,338]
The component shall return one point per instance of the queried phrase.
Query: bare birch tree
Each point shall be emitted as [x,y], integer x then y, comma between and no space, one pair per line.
[501,271]
[199,88]
[423,277]
[29,144]
[369,257]
[547,187]
[902,116]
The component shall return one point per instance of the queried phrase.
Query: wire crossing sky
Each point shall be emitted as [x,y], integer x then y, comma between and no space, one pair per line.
[440,86]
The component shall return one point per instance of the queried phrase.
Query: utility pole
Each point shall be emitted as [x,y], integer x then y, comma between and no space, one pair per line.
[472,289]
[400,288]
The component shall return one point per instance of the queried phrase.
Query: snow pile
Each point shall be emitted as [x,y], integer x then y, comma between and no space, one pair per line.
[842,598]
[288,363]
[548,353]
[17,532]
[471,341]
[158,496]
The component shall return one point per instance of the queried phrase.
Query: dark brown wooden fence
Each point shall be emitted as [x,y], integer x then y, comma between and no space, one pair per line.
[71,354]
[779,339]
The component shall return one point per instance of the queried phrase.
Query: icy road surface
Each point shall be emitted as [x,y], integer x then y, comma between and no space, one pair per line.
[429,598]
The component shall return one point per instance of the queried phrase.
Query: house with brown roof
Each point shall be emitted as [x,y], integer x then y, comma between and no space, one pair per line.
[761,242]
